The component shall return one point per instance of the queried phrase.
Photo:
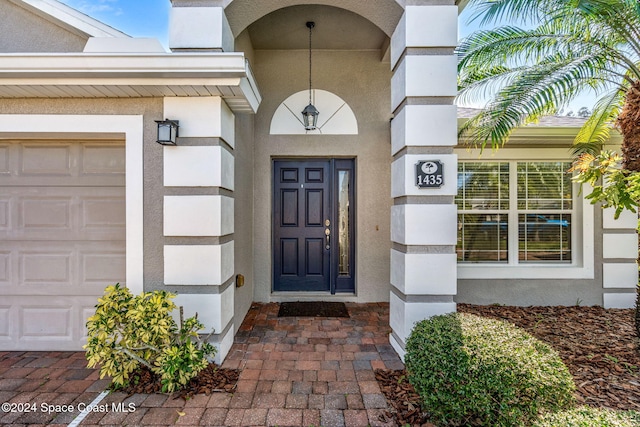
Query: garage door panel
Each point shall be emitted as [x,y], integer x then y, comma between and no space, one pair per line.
[60,268]
[53,181]
[50,163]
[93,290]
[104,215]
[4,159]
[102,159]
[5,323]
[5,268]
[51,323]
[44,212]
[46,268]
[5,204]
[102,269]
[45,322]
[38,159]
[67,213]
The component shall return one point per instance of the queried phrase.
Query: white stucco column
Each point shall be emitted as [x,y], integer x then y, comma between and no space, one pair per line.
[619,266]
[424,128]
[198,214]
[199,26]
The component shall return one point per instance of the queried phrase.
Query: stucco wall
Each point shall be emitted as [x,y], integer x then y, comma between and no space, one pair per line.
[23,31]
[243,44]
[150,108]
[363,81]
[244,212]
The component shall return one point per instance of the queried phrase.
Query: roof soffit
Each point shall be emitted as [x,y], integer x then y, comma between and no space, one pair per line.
[130,75]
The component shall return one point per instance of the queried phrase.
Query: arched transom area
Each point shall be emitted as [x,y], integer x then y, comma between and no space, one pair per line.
[337,117]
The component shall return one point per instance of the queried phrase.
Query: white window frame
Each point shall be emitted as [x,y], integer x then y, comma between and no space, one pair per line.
[582,239]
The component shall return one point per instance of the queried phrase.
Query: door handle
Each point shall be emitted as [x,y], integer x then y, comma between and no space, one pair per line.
[327,234]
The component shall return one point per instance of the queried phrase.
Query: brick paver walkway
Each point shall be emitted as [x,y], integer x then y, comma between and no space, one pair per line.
[295,371]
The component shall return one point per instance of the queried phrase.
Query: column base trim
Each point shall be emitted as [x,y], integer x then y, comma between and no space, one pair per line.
[397,345]
[223,342]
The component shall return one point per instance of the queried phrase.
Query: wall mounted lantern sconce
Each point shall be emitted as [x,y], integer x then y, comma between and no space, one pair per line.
[310,113]
[167,131]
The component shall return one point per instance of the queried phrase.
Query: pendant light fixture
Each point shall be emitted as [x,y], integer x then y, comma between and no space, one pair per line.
[310,113]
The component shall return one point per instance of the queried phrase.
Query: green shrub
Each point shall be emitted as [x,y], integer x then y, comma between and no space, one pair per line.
[476,371]
[127,331]
[585,416]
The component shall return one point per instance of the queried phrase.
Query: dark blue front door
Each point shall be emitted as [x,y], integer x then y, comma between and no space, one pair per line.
[313,231]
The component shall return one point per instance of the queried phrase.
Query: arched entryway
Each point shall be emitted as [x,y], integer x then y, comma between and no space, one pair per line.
[394,66]
[354,69]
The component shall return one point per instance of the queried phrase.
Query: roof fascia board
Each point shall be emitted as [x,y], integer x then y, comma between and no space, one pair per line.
[461,4]
[138,80]
[549,134]
[69,18]
[148,65]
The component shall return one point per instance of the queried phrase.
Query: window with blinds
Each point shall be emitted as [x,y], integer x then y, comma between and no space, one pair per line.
[514,212]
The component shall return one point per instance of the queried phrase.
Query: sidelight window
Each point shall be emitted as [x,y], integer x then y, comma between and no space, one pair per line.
[344,241]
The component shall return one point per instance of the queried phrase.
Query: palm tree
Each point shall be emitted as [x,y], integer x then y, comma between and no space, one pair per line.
[562,48]
[532,72]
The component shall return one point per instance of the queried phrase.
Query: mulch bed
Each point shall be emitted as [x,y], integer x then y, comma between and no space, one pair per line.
[211,379]
[402,397]
[599,347]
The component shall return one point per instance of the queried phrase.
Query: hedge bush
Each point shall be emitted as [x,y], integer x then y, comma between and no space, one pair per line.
[474,371]
[585,416]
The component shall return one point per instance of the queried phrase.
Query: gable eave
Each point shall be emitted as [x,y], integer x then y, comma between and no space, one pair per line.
[69,18]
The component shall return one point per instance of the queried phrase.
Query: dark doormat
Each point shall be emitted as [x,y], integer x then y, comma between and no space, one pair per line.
[313,309]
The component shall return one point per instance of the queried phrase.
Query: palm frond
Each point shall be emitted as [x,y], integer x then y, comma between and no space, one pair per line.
[508,46]
[597,129]
[528,73]
[620,18]
[535,92]
[525,11]
[480,84]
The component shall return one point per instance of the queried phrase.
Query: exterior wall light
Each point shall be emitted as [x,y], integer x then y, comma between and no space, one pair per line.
[310,113]
[167,131]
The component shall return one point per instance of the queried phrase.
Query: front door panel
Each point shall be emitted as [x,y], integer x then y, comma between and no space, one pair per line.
[308,251]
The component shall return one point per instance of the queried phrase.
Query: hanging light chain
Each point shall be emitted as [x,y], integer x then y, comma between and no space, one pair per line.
[310,25]
[310,113]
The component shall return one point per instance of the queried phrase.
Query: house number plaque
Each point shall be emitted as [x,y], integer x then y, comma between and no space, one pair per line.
[429,174]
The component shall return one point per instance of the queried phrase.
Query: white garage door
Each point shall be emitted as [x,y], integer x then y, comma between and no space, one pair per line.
[62,238]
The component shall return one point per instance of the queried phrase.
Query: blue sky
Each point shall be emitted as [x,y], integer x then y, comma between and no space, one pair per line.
[150,18]
[137,18]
